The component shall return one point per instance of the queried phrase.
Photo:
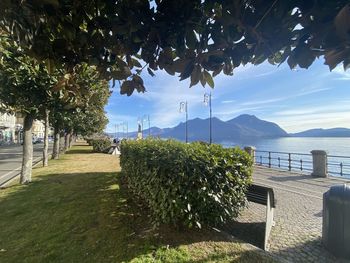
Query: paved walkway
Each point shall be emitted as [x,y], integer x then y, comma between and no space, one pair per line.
[297,234]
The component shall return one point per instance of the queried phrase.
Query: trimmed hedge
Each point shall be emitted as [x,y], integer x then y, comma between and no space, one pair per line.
[100,145]
[187,184]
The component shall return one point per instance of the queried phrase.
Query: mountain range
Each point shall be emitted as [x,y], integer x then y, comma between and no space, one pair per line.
[242,127]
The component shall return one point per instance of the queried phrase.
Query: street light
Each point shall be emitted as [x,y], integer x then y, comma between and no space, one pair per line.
[183,108]
[126,128]
[207,102]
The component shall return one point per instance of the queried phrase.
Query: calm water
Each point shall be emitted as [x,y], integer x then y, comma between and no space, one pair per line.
[334,146]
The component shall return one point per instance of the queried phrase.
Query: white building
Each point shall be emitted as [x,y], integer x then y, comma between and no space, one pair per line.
[7,128]
[39,129]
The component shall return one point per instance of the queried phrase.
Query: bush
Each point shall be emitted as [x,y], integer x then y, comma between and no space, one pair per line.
[187,184]
[100,145]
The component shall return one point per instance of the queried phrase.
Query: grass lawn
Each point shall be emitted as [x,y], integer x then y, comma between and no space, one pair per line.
[77,211]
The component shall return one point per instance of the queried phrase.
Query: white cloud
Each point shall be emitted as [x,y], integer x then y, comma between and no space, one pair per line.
[227,101]
[309,117]
[344,75]
[311,121]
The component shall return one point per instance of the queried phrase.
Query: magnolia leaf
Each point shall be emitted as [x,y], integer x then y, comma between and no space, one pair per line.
[333,58]
[138,83]
[228,69]
[150,72]
[291,61]
[209,79]
[136,63]
[179,65]
[187,71]
[217,71]
[346,64]
[342,22]
[191,40]
[196,73]
[127,87]
[202,79]
[169,70]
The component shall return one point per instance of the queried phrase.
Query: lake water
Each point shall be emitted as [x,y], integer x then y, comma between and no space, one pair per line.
[338,147]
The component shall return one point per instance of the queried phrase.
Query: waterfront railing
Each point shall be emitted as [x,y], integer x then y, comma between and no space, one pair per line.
[335,165]
[338,165]
[289,161]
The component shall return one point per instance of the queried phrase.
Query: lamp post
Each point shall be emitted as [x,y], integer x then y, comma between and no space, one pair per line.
[207,102]
[183,108]
[149,126]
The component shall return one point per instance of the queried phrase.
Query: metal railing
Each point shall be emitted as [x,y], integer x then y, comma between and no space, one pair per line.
[337,165]
[284,160]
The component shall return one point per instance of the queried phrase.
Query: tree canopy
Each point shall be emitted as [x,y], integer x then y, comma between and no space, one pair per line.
[85,115]
[25,85]
[197,39]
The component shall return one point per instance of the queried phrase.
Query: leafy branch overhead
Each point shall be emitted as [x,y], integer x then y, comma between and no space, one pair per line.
[196,39]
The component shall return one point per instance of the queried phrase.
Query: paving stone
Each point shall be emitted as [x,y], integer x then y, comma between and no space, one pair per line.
[297,234]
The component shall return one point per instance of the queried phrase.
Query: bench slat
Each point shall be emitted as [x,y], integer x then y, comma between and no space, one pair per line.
[258,194]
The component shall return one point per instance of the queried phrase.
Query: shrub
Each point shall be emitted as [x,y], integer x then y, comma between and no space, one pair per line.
[187,184]
[100,145]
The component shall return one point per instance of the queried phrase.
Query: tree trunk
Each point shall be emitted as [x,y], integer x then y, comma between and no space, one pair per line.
[71,139]
[27,161]
[56,144]
[46,139]
[66,141]
[62,142]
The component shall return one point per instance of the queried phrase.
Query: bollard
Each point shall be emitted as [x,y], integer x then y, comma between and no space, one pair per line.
[251,151]
[319,163]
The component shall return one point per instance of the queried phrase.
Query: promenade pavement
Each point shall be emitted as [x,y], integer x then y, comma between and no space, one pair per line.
[296,236]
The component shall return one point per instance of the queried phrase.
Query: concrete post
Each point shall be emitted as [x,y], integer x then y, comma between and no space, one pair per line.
[319,163]
[251,151]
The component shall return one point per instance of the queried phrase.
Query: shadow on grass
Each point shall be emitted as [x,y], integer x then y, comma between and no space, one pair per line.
[250,232]
[86,217]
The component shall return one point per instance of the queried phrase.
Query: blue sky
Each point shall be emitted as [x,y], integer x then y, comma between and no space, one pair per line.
[294,99]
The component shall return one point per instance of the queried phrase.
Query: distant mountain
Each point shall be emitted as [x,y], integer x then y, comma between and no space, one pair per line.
[255,127]
[243,126]
[335,132]
[198,130]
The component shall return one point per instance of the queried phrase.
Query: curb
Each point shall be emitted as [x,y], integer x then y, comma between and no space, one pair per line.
[17,171]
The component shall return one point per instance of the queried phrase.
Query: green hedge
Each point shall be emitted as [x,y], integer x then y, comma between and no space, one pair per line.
[187,184]
[100,145]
